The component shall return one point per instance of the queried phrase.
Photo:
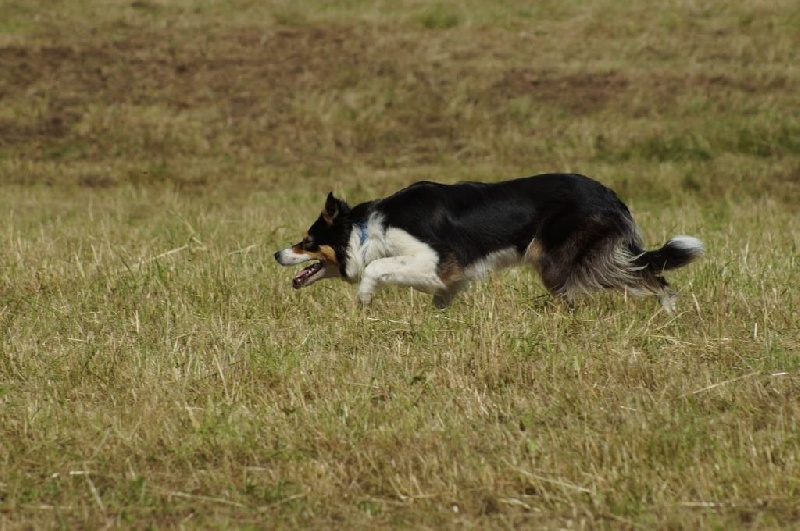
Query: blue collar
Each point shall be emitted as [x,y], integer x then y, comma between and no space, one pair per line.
[362,226]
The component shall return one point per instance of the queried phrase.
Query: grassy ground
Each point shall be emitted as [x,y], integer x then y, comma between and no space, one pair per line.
[156,368]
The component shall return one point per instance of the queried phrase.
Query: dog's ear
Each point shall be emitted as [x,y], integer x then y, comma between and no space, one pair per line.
[333,208]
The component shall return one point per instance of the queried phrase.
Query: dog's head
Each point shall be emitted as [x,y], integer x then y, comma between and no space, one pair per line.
[325,242]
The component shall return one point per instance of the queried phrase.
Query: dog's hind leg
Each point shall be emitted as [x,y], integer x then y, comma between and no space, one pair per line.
[666,295]
[443,298]
[649,283]
[542,263]
[452,276]
[553,272]
[667,300]
[556,280]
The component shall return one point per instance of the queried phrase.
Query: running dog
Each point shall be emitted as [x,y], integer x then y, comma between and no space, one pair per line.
[436,238]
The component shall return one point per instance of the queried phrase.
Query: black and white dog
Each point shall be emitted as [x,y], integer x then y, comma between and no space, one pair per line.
[437,238]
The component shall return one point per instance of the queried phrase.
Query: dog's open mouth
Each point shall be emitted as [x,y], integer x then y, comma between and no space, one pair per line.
[306,274]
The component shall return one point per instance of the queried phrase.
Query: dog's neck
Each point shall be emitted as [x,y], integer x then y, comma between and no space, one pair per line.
[356,251]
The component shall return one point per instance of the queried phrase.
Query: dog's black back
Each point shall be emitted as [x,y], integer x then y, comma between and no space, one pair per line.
[470,220]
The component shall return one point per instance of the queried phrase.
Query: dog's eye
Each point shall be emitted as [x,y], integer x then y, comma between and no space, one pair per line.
[308,242]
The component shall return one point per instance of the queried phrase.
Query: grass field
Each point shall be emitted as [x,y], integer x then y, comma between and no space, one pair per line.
[157,370]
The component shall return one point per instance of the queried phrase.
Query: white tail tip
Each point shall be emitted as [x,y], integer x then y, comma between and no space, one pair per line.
[687,243]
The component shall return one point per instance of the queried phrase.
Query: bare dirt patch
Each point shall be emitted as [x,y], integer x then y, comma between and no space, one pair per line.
[323,96]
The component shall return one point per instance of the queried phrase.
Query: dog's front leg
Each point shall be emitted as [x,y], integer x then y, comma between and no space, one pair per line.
[418,272]
[365,290]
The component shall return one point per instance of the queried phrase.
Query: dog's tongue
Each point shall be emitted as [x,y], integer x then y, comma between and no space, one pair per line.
[302,277]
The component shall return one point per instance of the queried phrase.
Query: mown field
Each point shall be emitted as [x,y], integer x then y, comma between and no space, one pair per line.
[157,370]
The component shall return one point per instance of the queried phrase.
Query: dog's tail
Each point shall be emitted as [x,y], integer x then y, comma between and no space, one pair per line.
[677,252]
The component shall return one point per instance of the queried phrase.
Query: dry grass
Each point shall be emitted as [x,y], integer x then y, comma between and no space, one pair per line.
[156,369]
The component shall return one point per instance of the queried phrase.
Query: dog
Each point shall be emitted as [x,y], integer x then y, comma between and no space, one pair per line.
[437,238]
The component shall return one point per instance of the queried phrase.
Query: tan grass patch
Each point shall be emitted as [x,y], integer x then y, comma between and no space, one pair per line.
[156,369]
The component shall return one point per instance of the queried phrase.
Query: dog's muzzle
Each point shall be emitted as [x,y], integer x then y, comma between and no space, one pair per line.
[309,274]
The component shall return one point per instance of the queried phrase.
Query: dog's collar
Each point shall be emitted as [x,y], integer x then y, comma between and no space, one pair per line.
[362,227]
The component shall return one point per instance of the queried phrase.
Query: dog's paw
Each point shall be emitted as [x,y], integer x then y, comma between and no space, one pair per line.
[667,301]
[364,298]
[365,290]
[442,300]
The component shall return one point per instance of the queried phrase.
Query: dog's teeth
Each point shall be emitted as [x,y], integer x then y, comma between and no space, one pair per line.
[300,278]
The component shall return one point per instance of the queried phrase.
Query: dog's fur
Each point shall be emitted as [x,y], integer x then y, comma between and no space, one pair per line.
[437,238]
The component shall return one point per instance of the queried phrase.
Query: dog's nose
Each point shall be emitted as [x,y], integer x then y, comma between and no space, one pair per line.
[277,256]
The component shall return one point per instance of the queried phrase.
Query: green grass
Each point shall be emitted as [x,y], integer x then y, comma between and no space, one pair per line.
[157,369]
